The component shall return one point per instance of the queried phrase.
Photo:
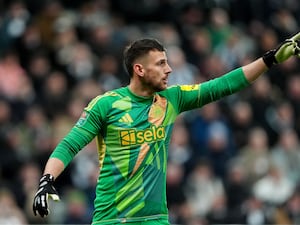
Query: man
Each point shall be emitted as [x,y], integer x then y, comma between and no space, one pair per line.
[132,126]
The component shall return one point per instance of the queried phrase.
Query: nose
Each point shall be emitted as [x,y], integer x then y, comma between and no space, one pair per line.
[169,69]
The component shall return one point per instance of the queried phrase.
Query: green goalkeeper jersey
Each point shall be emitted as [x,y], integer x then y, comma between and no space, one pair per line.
[133,134]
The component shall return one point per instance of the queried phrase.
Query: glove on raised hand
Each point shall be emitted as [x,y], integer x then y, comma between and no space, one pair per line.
[46,190]
[285,50]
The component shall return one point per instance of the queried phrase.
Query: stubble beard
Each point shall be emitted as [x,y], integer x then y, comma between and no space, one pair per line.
[154,87]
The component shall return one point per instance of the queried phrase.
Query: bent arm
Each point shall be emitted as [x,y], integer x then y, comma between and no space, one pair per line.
[66,150]
[83,132]
[254,69]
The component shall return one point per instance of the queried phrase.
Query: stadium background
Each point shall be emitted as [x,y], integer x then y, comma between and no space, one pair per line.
[236,161]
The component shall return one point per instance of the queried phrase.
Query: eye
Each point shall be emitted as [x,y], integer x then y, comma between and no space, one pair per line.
[162,62]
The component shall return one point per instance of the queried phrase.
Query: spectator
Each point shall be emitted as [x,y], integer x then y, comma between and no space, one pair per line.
[203,189]
[9,160]
[211,137]
[274,188]
[175,192]
[237,192]
[82,62]
[293,95]
[286,155]
[24,188]
[55,94]
[180,151]
[33,135]
[39,67]
[183,72]
[281,117]
[262,99]
[199,47]
[45,19]
[13,24]
[108,76]
[292,208]
[219,27]
[241,117]
[10,213]
[255,213]
[12,76]
[255,156]
[76,208]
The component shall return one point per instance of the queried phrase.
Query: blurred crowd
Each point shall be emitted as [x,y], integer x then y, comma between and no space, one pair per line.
[235,161]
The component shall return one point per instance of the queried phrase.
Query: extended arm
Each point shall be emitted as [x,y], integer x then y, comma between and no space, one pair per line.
[240,78]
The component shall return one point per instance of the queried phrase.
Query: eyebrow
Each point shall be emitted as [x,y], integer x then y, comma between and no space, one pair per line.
[162,61]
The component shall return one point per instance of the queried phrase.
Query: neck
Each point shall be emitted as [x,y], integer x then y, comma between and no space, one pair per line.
[140,90]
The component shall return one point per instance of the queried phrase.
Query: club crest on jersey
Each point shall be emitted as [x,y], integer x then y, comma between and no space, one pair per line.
[133,137]
[82,119]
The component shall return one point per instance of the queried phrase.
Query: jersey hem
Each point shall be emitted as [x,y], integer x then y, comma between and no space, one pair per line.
[128,220]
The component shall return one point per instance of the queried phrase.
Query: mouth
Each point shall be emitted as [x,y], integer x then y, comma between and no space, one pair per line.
[165,81]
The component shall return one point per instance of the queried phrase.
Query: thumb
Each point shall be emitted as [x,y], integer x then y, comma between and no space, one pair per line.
[296,37]
[54,197]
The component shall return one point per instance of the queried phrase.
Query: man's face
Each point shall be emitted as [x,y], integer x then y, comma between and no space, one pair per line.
[155,71]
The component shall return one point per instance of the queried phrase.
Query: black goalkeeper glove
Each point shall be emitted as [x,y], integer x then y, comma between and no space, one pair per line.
[290,47]
[45,190]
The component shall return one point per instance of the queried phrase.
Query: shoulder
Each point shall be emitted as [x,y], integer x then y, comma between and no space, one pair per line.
[170,90]
[111,95]
[106,99]
[180,88]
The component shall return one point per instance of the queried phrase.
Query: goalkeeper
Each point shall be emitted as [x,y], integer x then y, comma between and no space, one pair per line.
[132,126]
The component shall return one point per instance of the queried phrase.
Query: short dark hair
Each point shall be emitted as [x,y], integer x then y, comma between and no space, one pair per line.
[137,49]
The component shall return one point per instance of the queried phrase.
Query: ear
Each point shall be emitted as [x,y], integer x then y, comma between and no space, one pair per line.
[138,69]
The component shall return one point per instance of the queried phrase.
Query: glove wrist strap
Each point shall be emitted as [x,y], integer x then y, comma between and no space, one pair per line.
[269,58]
[48,178]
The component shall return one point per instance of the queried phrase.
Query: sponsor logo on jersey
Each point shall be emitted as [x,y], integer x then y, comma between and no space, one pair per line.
[133,137]
[192,87]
